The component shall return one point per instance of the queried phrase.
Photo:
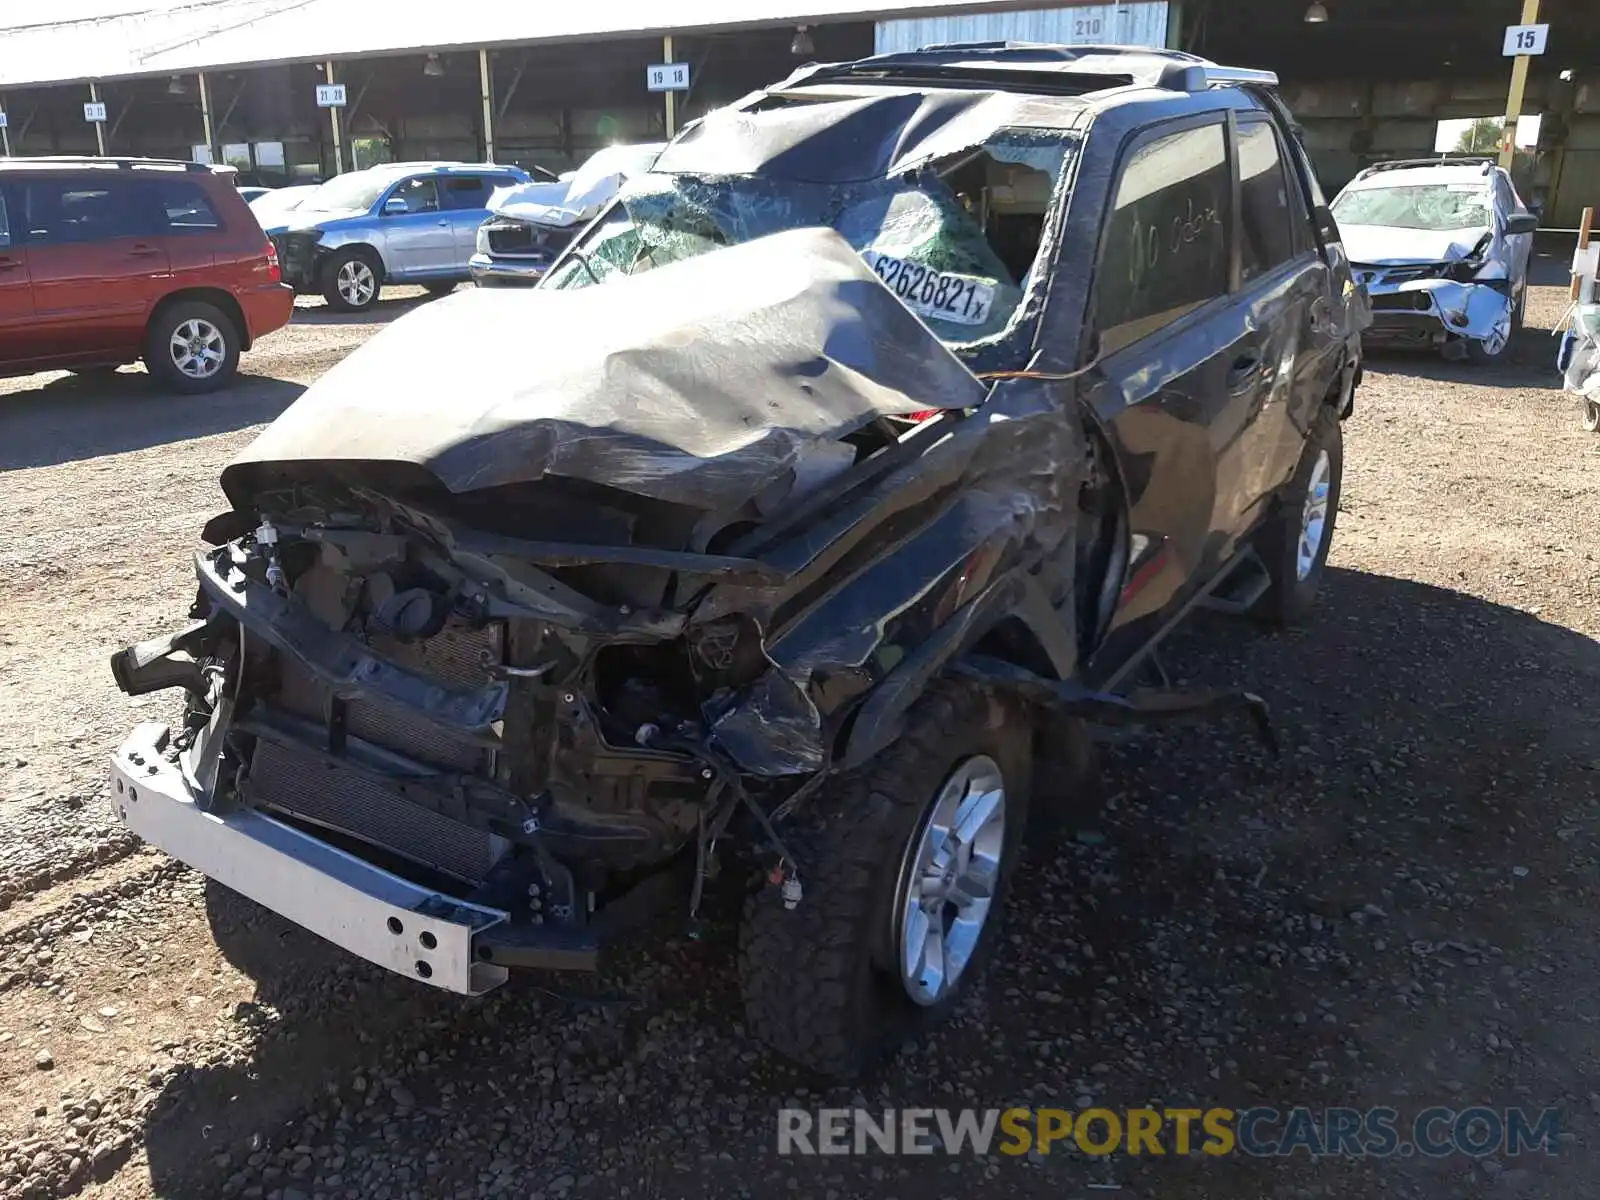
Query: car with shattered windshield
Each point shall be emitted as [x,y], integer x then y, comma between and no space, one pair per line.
[1442,247]
[791,536]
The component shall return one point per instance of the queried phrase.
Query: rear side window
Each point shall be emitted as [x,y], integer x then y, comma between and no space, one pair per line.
[465,191]
[62,212]
[1266,215]
[1166,245]
[185,205]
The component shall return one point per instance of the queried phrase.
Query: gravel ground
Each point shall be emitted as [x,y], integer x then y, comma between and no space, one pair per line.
[1399,912]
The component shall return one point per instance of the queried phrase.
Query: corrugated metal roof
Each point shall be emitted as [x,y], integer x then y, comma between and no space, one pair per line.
[1127,24]
[163,37]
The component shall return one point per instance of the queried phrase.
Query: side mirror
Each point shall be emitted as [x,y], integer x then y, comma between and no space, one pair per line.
[394,205]
[1522,223]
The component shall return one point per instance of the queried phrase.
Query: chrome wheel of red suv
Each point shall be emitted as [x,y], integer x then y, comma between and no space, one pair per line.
[192,346]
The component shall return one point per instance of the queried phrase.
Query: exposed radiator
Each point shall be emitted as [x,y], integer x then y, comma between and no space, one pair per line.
[342,799]
[458,655]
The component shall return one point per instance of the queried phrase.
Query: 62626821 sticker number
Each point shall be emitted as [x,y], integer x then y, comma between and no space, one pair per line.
[939,295]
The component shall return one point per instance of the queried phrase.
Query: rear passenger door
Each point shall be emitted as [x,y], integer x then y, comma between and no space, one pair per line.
[96,259]
[466,204]
[16,297]
[191,227]
[1179,358]
[1284,289]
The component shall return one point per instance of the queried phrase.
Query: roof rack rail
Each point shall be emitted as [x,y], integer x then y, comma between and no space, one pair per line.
[1077,66]
[121,163]
[1485,163]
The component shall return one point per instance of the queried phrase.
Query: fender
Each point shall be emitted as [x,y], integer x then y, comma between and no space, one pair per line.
[1016,594]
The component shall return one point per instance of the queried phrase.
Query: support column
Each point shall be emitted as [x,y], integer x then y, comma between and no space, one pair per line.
[205,117]
[5,133]
[1519,83]
[486,82]
[338,142]
[99,126]
[672,97]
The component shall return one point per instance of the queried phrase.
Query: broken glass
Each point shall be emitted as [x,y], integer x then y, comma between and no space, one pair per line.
[954,239]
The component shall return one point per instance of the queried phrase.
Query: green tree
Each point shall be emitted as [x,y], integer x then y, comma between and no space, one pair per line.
[1481,137]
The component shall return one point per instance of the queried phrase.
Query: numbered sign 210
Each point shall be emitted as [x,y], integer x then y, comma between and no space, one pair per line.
[667,77]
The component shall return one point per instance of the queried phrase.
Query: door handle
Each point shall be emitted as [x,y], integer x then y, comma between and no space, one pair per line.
[444,224]
[9,264]
[144,251]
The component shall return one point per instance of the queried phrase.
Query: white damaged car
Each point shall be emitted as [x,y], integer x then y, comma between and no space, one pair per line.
[1442,246]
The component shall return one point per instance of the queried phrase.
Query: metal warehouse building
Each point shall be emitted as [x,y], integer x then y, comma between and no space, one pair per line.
[544,84]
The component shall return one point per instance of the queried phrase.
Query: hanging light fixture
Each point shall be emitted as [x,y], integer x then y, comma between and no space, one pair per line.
[802,46]
[433,66]
[177,87]
[1316,13]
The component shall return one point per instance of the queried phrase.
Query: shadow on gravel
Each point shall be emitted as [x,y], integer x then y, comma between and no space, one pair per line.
[76,417]
[1530,361]
[1231,931]
[316,312]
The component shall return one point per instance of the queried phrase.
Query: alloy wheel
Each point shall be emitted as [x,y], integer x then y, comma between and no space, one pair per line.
[357,283]
[1314,517]
[948,880]
[198,348]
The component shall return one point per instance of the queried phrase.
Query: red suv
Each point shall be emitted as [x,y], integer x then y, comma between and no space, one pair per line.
[104,261]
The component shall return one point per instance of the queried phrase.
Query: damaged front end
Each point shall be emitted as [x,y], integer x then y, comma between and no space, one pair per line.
[479,663]
[1437,305]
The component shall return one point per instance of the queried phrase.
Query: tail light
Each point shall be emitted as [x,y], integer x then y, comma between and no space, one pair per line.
[274,271]
[927,414]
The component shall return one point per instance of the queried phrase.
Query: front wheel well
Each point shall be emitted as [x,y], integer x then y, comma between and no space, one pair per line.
[217,298]
[365,250]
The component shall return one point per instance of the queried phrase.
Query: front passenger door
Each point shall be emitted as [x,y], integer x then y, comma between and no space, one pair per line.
[1178,359]
[417,235]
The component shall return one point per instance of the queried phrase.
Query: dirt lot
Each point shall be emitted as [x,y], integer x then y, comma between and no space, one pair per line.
[1402,912]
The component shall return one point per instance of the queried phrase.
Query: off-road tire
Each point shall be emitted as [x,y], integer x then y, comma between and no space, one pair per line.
[1591,416]
[330,278]
[158,346]
[819,981]
[1289,600]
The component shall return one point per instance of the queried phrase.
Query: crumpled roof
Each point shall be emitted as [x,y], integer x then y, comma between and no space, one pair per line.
[705,383]
[578,195]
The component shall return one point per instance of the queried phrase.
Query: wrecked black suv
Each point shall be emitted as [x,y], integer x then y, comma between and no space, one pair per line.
[834,477]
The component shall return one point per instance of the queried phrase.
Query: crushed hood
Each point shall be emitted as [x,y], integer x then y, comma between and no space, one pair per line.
[1379,245]
[704,383]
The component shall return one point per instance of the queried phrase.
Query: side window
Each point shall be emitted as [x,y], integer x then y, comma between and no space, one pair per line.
[465,191]
[185,206]
[1266,214]
[62,212]
[419,194]
[1165,248]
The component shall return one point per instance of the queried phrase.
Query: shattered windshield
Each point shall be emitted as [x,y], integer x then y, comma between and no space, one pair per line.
[955,239]
[1433,206]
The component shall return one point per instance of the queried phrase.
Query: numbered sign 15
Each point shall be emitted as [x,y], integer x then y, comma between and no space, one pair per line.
[1526,39]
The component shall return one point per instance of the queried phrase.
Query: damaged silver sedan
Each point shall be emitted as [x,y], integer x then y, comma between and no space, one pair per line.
[800,522]
[1442,246]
